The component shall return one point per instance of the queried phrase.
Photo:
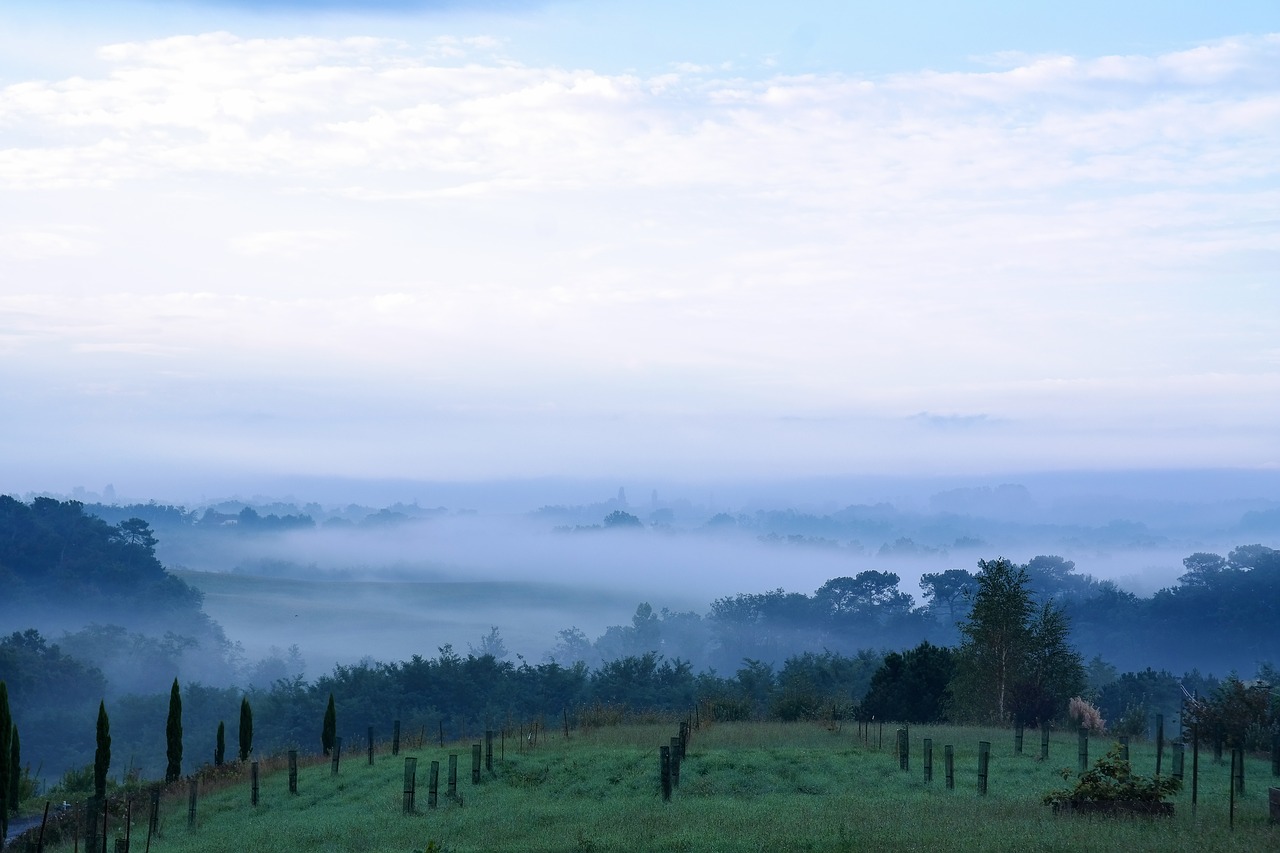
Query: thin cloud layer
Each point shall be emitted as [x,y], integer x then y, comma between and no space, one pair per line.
[418,231]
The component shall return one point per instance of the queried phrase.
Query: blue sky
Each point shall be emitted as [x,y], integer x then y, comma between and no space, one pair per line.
[707,240]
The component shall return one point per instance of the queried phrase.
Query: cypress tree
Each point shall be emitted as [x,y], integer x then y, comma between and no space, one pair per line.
[246,729]
[173,735]
[220,748]
[15,773]
[330,731]
[102,755]
[6,732]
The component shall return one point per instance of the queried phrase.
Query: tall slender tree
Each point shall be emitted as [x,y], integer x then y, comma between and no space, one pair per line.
[329,733]
[173,735]
[15,772]
[102,754]
[6,732]
[220,745]
[996,636]
[246,729]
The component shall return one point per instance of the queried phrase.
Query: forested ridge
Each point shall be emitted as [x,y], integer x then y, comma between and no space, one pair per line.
[776,654]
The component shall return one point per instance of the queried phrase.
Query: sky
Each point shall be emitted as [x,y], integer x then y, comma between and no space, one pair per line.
[465,241]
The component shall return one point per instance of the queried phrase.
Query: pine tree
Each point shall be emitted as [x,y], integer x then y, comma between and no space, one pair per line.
[102,754]
[246,729]
[329,734]
[173,735]
[6,733]
[220,747]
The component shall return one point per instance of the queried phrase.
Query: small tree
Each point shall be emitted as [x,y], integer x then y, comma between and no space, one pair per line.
[246,729]
[220,745]
[329,733]
[173,735]
[102,754]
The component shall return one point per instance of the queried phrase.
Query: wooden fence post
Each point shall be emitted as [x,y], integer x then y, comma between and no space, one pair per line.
[253,784]
[153,821]
[984,764]
[664,766]
[1179,757]
[675,762]
[1275,755]
[900,746]
[475,764]
[395,738]
[1195,765]
[337,752]
[1159,742]
[293,771]
[370,746]
[1082,750]
[949,765]
[433,785]
[488,750]
[410,783]
[1231,791]
[453,776]
[1017,739]
[191,805]
[1237,779]
[1124,748]
[1044,741]
[928,759]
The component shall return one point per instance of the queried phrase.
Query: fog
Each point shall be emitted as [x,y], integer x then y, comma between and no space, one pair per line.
[390,580]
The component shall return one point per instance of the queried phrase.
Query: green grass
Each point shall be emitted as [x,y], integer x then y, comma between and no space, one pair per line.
[744,787]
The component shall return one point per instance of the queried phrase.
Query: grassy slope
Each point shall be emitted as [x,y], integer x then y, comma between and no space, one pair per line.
[746,787]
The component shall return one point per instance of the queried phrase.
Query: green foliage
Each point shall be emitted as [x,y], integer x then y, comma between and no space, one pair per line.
[1015,662]
[912,687]
[1237,714]
[1112,780]
[246,729]
[173,736]
[102,754]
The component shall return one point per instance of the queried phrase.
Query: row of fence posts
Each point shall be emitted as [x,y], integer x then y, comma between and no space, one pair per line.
[478,752]
[670,756]
[1236,785]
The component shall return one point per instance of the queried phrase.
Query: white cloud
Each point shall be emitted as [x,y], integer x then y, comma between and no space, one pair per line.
[500,237]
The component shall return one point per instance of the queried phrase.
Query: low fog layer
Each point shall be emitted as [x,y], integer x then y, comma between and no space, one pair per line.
[347,581]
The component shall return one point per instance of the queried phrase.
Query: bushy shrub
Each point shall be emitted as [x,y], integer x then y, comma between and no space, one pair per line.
[1112,780]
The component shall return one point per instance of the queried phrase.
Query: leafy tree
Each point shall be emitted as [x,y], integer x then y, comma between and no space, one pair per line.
[329,732]
[173,736]
[912,687]
[246,728]
[102,755]
[997,637]
[491,644]
[947,590]
[1202,569]
[620,519]
[1015,660]
[220,745]
[6,732]
[1052,671]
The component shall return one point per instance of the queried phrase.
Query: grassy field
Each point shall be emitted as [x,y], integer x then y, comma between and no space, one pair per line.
[744,787]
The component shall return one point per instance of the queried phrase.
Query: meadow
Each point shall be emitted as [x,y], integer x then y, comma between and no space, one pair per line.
[743,787]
